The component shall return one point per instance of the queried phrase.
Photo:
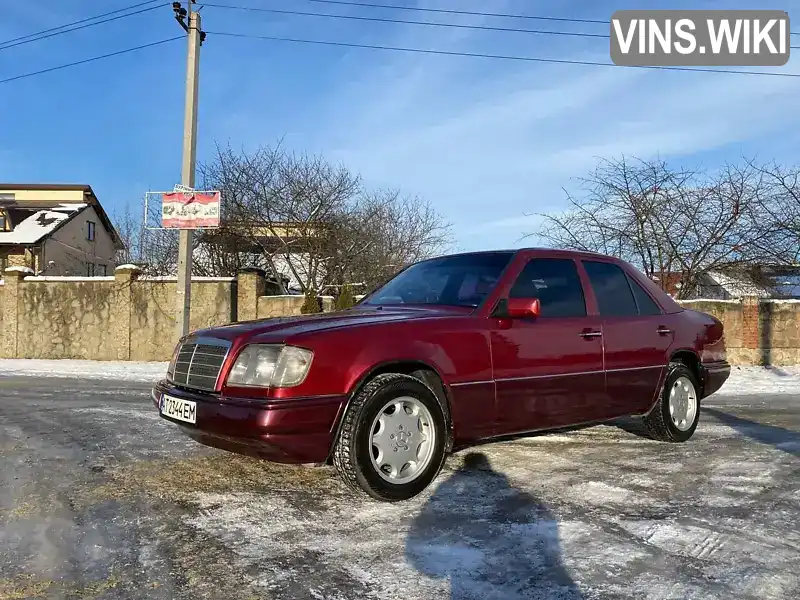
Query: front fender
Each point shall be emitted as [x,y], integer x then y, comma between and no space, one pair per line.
[462,362]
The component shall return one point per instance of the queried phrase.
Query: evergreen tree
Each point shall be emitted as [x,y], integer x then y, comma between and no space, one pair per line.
[311,304]
[346,298]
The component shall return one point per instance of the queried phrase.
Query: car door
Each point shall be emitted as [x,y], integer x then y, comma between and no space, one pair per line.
[548,370]
[635,338]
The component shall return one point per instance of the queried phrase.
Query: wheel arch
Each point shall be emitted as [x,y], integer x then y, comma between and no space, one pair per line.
[419,369]
[686,356]
[658,420]
[691,359]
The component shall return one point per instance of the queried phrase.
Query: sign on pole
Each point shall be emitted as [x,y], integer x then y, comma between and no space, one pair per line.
[190,209]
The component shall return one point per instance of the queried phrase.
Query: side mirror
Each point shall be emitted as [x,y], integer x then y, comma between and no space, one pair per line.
[519,308]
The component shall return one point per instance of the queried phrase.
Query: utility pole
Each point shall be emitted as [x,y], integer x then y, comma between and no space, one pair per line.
[195,38]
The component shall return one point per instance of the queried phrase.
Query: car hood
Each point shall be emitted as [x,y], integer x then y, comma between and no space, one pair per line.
[285,327]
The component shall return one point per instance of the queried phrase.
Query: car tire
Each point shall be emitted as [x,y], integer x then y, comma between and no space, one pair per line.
[358,457]
[675,416]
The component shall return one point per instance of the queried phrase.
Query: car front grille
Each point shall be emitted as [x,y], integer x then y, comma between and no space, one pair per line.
[199,363]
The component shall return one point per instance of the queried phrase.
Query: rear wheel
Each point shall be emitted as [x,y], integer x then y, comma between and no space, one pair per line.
[392,441]
[674,418]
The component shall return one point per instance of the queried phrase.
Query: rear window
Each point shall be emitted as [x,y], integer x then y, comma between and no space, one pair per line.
[646,304]
[611,288]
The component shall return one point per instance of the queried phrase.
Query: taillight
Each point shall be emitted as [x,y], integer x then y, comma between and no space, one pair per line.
[714,348]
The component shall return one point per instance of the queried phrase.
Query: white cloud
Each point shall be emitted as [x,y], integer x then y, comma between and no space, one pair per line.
[489,142]
[498,157]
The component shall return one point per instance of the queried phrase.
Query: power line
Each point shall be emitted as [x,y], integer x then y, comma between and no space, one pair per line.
[94,58]
[458,12]
[406,21]
[410,22]
[490,56]
[452,11]
[62,30]
[113,12]
[395,49]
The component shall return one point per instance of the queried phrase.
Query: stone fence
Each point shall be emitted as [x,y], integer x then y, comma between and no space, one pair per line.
[124,317]
[130,317]
[757,331]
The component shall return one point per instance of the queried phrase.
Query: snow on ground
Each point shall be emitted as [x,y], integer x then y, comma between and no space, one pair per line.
[755,380]
[596,513]
[743,380]
[146,372]
[574,517]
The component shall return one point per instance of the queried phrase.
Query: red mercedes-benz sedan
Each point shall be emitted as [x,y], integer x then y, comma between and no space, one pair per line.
[451,351]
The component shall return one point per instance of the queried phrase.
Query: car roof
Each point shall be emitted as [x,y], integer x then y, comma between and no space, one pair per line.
[575,253]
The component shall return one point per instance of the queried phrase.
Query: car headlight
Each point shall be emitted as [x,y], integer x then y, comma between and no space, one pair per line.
[263,365]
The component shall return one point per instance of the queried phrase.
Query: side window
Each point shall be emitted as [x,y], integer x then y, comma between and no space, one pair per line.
[557,285]
[647,305]
[475,287]
[610,285]
[90,231]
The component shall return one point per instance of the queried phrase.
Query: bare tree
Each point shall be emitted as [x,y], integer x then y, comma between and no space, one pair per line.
[304,217]
[781,200]
[155,250]
[667,220]
[276,206]
[129,229]
[299,218]
[389,231]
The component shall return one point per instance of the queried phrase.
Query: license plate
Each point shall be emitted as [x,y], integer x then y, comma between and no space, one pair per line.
[177,408]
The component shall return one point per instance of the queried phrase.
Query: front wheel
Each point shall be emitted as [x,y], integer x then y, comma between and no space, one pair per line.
[392,440]
[675,416]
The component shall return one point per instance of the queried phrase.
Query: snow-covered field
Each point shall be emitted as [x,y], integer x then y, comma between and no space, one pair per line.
[743,380]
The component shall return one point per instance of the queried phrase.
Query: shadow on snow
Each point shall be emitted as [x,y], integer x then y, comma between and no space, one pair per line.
[489,539]
[779,438]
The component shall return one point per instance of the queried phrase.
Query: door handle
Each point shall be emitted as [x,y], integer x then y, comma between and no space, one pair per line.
[591,334]
[664,330]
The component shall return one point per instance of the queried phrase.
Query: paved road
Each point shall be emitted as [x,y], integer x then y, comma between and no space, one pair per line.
[99,498]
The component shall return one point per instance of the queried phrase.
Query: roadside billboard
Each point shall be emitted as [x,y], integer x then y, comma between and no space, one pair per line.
[190,209]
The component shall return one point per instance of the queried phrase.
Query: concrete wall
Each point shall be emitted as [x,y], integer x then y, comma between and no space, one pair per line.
[153,313]
[757,332]
[77,328]
[127,317]
[103,318]
[279,306]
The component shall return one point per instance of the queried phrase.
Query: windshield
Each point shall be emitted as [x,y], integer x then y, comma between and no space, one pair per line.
[463,280]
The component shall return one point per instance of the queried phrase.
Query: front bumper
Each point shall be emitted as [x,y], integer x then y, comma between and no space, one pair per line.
[714,374]
[298,430]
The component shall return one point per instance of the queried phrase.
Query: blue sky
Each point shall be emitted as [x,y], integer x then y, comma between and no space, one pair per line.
[488,142]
